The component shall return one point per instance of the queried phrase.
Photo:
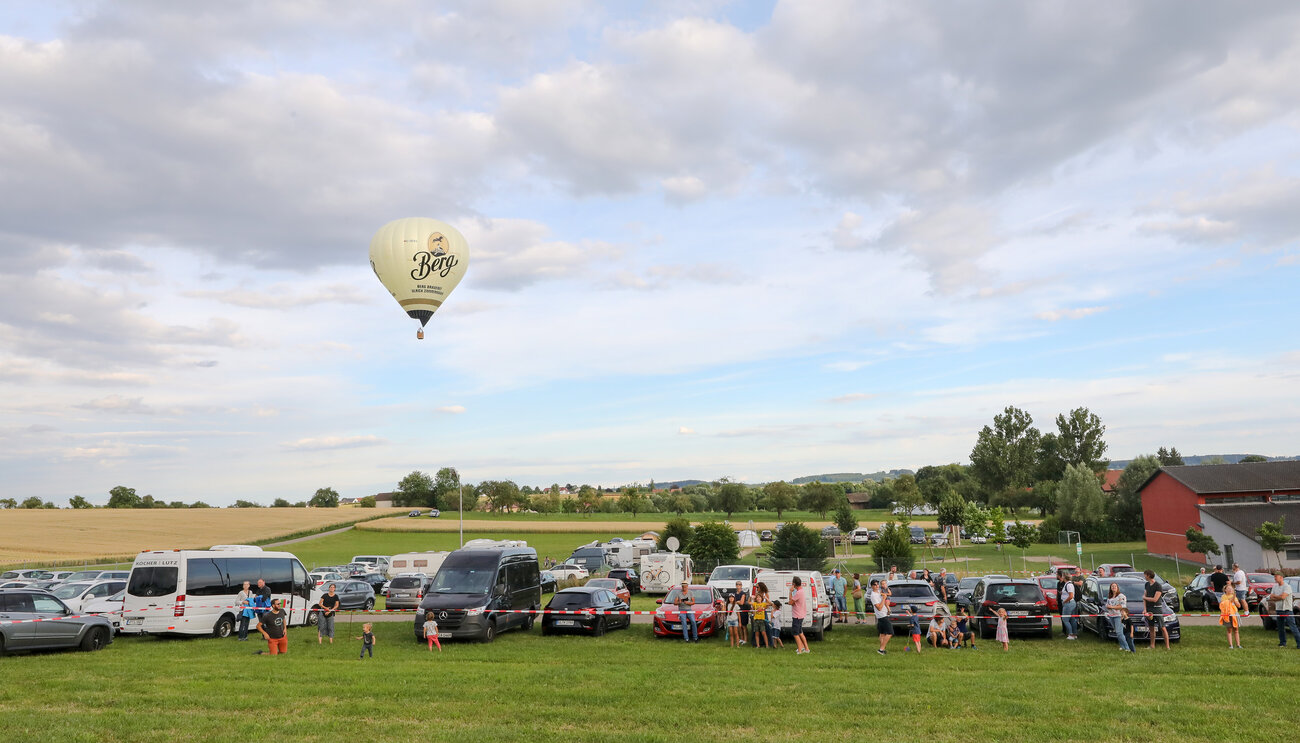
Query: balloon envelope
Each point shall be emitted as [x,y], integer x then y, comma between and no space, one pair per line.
[420,261]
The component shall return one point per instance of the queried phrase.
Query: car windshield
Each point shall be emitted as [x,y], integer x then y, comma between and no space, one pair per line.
[911,592]
[602,583]
[701,596]
[71,590]
[968,583]
[567,600]
[1020,593]
[82,575]
[730,573]
[463,580]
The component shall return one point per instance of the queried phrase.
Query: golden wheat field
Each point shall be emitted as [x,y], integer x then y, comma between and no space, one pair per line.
[63,537]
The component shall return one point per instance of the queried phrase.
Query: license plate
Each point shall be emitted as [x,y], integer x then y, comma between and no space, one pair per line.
[135,621]
[444,635]
[1017,613]
[565,623]
[674,626]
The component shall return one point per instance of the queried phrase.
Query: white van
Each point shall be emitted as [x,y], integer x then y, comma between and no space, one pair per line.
[493,544]
[661,572]
[860,535]
[819,619]
[193,592]
[415,562]
[725,577]
[378,563]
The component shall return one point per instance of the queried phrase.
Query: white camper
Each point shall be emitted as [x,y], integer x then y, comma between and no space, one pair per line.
[819,619]
[193,592]
[426,563]
[663,571]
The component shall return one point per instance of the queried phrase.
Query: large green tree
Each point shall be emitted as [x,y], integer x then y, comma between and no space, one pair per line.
[123,497]
[78,501]
[1126,510]
[893,547]
[1199,541]
[952,512]
[1272,537]
[678,527]
[714,542]
[1169,457]
[1079,499]
[325,498]
[416,489]
[798,547]
[501,495]
[820,497]
[779,496]
[1006,454]
[1252,458]
[633,500]
[732,497]
[844,519]
[906,494]
[446,488]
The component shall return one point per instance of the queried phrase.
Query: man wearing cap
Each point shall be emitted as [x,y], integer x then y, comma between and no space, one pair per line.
[838,586]
[686,614]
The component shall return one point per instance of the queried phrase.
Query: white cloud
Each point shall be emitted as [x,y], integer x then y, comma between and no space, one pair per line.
[684,431]
[451,409]
[1073,313]
[851,397]
[326,443]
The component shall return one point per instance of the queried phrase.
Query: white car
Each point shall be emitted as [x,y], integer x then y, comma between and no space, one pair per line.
[110,607]
[76,595]
[978,540]
[565,571]
[323,578]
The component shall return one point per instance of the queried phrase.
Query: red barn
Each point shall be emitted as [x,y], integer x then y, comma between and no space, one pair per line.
[1171,497]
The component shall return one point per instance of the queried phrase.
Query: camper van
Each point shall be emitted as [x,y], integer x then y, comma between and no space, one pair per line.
[591,556]
[415,562]
[480,592]
[193,592]
[662,571]
[819,619]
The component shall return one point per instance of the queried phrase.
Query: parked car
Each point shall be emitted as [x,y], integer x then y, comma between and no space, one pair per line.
[1200,595]
[978,540]
[549,584]
[831,532]
[962,596]
[939,540]
[109,606]
[766,535]
[860,535]
[73,595]
[1267,617]
[413,514]
[917,535]
[1259,586]
[353,594]
[916,594]
[1024,601]
[565,571]
[1092,604]
[19,606]
[618,587]
[588,600]
[1167,588]
[725,577]
[629,578]
[1048,584]
[480,592]
[377,582]
[1112,569]
[85,576]
[707,605]
[406,591]
[324,579]
[26,576]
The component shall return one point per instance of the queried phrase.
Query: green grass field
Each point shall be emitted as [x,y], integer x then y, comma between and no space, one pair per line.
[337,549]
[633,687]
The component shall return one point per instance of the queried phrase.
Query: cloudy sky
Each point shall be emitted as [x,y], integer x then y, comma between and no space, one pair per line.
[751,239]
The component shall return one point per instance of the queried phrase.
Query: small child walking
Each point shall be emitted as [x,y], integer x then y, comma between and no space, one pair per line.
[367,639]
[914,628]
[1228,618]
[1001,635]
[431,631]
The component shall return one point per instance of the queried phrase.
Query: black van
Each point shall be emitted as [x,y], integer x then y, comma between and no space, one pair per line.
[474,586]
[594,559]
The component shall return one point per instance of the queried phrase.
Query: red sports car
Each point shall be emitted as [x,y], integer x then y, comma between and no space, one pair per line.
[706,609]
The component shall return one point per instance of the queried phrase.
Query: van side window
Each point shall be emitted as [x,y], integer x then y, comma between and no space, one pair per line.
[205,577]
[278,574]
[301,580]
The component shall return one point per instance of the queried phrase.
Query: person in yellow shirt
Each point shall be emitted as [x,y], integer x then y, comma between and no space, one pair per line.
[1228,618]
[760,606]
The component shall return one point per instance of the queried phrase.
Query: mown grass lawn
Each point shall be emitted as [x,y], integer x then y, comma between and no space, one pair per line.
[337,549]
[629,686]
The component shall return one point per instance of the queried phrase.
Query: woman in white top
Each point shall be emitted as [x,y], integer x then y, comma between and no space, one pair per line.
[1116,602]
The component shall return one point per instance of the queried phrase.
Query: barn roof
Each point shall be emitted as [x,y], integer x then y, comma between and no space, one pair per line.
[1246,517]
[1251,477]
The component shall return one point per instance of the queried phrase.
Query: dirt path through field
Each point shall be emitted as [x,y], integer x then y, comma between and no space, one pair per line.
[309,537]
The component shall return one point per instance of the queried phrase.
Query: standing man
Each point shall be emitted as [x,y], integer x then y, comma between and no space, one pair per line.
[246,613]
[1218,582]
[272,627]
[686,614]
[941,585]
[1283,602]
[329,606]
[838,586]
[880,606]
[1241,586]
[1154,597]
[743,607]
[798,612]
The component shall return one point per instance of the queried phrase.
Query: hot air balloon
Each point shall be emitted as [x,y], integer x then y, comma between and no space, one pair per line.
[420,261]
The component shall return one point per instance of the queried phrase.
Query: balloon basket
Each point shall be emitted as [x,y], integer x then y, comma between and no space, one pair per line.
[419,334]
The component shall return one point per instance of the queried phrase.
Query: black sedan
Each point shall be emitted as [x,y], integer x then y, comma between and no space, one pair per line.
[1166,588]
[376,581]
[587,603]
[1092,605]
[629,578]
[1200,595]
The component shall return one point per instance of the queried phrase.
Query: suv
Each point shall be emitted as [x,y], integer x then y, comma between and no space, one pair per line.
[479,592]
[22,628]
[913,593]
[1092,606]
[629,578]
[1024,601]
[407,591]
[1200,595]
[1170,593]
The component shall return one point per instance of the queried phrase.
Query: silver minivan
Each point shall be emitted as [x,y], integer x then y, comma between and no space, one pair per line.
[406,591]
